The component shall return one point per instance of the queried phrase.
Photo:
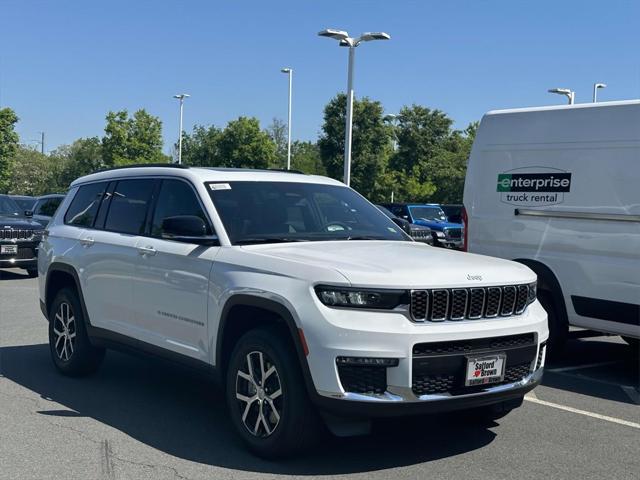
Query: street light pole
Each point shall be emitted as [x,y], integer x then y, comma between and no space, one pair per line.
[346,41]
[180,97]
[570,94]
[289,71]
[597,86]
[349,121]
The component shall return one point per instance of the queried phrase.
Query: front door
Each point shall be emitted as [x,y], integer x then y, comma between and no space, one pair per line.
[171,283]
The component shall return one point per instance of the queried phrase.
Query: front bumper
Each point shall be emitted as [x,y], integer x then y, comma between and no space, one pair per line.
[390,334]
[27,256]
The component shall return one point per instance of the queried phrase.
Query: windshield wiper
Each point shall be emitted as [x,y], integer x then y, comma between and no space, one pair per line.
[251,240]
[363,237]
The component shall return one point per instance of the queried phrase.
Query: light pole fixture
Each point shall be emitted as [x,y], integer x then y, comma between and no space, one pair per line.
[570,94]
[597,86]
[181,97]
[289,71]
[346,41]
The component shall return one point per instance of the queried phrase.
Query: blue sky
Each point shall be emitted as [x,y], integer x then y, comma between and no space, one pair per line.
[64,64]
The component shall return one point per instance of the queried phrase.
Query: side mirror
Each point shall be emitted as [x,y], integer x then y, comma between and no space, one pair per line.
[406,217]
[403,224]
[188,229]
[28,213]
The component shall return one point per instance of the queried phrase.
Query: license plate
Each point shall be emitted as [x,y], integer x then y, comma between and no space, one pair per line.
[485,370]
[8,249]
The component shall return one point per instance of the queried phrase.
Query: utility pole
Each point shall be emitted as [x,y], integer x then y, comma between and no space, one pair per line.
[42,143]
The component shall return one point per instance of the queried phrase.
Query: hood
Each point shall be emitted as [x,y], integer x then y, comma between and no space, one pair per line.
[18,223]
[390,264]
[437,225]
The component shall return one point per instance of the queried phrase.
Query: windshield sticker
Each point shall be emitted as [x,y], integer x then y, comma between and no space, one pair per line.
[529,186]
[219,186]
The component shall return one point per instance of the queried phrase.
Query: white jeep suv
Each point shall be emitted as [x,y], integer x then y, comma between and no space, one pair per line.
[305,300]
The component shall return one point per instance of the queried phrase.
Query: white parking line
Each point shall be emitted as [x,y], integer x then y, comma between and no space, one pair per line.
[579,367]
[533,399]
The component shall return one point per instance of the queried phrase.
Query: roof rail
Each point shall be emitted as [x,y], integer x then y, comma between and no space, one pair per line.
[144,165]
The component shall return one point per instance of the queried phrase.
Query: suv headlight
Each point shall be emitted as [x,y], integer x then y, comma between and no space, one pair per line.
[361,298]
[533,290]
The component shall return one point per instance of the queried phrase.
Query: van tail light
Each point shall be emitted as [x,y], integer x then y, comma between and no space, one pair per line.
[465,230]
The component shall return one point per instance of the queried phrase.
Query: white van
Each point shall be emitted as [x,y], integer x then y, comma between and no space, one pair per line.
[558,189]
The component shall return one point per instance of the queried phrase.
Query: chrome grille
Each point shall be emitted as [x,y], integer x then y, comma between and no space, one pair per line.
[17,234]
[443,304]
[453,233]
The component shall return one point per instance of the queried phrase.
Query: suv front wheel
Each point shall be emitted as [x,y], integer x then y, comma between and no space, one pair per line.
[266,395]
[71,350]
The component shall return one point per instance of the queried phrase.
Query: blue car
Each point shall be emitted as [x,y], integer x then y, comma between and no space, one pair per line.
[445,233]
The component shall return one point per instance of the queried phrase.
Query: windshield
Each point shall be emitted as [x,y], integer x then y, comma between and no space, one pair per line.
[428,213]
[25,203]
[266,212]
[8,207]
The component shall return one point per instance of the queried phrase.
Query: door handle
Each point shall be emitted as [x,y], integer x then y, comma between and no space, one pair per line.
[87,242]
[147,250]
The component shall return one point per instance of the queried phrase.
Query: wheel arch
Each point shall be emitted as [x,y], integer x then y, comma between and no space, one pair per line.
[60,275]
[243,312]
[548,282]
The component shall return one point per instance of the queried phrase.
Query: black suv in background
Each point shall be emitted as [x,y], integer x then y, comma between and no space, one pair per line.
[453,212]
[19,237]
[45,207]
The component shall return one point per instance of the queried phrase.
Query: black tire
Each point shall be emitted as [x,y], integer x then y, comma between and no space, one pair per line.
[296,426]
[32,272]
[558,327]
[71,350]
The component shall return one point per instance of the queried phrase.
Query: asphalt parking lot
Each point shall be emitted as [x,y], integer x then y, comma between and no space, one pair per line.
[142,418]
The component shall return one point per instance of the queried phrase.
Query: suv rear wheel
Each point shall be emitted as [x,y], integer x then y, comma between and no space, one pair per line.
[71,350]
[266,395]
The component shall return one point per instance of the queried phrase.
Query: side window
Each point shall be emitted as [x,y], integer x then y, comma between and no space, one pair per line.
[84,205]
[128,206]
[175,198]
[48,206]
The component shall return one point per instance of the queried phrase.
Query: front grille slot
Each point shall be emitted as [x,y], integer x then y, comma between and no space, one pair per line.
[17,234]
[468,303]
[439,305]
[364,380]
[540,354]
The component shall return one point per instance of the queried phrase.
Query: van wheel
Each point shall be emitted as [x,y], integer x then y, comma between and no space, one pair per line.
[266,395]
[558,329]
[71,350]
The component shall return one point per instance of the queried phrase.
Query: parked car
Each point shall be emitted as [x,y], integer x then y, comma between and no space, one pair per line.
[556,188]
[300,295]
[446,234]
[419,233]
[45,207]
[25,202]
[19,237]
[453,213]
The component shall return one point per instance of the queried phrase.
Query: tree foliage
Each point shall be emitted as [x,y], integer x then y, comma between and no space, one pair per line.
[371,142]
[278,132]
[243,145]
[8,144]
[305,157]
[200,148]
[130,140]
[33,173]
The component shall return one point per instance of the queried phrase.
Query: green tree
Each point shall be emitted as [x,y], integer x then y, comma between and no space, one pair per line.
[82,157]
[33,173]
[371,142]
[243,145]
[200,148]
[129,140]
[305,157]
[278,131]
[8,144]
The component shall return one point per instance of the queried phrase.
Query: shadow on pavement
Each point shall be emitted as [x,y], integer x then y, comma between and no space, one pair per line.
[13,274]
[595,365]
[178,412]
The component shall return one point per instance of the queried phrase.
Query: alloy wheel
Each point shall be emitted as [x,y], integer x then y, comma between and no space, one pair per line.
[259,394]
[64,328]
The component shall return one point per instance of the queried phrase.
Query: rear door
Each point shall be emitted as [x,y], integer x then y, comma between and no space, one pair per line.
[108,262]
[172,278]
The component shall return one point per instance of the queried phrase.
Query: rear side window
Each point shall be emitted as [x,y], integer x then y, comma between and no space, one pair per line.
[175,198]
[48,206]
[84,205]
[128,207]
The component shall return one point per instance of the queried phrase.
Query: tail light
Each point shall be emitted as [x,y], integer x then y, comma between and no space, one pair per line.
[465,229]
